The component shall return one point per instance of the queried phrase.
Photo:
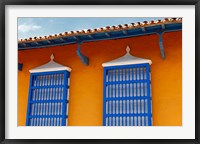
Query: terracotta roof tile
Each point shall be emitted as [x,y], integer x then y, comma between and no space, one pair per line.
[103,29]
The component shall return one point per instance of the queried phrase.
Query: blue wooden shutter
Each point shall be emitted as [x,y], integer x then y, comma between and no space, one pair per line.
[48,99]
[127,95]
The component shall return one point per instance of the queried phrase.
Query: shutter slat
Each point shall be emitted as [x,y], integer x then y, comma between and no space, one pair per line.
[127,95]
[48,99]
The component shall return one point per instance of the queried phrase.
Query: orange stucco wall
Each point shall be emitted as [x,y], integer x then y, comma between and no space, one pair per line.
[86,82]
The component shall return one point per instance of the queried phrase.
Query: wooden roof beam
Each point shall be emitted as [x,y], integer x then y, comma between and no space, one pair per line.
[107,34]
[90,36]
[125,32]
[143,29]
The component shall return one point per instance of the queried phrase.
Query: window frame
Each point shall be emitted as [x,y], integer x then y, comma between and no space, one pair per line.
[148,80]
[64,101]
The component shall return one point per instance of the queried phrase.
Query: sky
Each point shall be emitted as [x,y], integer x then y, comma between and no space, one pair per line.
[31,27]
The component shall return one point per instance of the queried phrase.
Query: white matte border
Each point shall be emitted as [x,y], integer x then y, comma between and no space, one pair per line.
[187,131]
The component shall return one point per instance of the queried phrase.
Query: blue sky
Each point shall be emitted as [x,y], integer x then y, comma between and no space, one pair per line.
[31,27]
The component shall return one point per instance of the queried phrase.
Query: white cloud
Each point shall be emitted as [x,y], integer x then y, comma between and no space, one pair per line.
[28,27]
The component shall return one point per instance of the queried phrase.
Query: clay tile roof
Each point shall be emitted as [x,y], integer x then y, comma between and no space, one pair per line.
[100,29]
[173,19]
[108,28]
[159,21]
[125,25]
[89,30]
[145,23]
[120,26]
[104,29]
[166,20]
[139,23]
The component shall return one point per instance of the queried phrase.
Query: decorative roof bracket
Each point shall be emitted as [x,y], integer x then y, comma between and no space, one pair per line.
[20,65]
[162,51]
[84,59]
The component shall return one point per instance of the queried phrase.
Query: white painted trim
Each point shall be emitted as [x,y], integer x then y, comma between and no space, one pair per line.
[49,69]
[125,63]
[127,59]
[50,66]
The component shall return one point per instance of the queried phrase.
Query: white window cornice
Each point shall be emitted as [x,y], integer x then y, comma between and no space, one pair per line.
[50,66]
[127,59]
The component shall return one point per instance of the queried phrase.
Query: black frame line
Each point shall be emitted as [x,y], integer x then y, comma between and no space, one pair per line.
[4,3]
